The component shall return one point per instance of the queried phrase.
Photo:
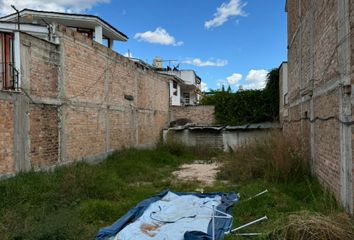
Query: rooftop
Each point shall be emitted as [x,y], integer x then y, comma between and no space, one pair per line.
[67,19]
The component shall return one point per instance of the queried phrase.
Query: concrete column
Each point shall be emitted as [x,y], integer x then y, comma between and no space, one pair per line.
[110,43]
[98,34]
[312,106]
[344,62]
[21,136]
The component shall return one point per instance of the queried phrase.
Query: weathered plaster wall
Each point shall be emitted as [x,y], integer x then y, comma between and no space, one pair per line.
[225,140]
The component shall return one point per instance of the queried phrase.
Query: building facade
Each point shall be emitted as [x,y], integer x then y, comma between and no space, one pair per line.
[316,93]
[185,85]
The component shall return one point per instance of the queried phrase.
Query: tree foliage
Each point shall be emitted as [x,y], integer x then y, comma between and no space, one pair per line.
[248,106]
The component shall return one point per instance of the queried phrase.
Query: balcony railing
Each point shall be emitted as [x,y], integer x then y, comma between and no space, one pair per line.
[9,76]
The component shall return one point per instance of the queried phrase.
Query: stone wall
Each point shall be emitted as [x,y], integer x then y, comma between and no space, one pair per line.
[78,101]
[202,115]
[319,63]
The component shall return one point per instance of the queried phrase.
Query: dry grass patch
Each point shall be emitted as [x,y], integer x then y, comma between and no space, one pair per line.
[314,226]
[274,158]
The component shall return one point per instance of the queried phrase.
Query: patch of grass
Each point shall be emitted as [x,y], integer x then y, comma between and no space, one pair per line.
[73,202]
[280,166]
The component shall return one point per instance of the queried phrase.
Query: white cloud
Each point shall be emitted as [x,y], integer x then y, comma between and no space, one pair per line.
[204,87]
[54,5]
[256,79]
[208,63]
[234,78]
[225,12]
[159,36]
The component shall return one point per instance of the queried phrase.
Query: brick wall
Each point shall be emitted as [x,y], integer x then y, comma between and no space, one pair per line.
[39,66]
[203,115]
[6,136]
[316,72]
[73,104]
[43,135]
[97,81]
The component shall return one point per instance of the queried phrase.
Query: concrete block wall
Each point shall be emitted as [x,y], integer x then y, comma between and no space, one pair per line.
[224,139]
[320,50]
[203,115]
[78,101]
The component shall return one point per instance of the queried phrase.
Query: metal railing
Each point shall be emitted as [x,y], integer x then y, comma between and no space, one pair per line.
[9,76]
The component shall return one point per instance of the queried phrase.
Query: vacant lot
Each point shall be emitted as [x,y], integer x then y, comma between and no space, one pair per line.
[73,202]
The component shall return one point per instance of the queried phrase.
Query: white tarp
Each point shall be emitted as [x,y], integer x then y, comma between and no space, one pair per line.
[170,217]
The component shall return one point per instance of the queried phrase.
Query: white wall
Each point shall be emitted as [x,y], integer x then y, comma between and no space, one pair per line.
[223,140]
[188,76]
[175,100]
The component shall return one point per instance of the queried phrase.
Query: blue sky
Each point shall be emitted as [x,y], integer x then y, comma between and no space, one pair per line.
[225,41]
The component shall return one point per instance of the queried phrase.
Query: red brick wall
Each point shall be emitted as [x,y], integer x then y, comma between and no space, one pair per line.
[85,132]
[197,114]
[74,104]
[327,142]
[7,137]
[313,66]
[101,79]
[39,66]
[43,135]
[122,133]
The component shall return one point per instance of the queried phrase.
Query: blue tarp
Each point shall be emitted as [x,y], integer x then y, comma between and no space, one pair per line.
[176,215]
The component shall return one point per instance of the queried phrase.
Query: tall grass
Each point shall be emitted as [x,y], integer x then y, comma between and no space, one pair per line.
[199,152]
[274,158]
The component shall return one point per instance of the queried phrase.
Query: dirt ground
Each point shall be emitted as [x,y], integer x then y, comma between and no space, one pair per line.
[201,171]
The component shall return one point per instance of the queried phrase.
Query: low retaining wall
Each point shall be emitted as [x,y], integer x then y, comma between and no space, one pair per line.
[218,137]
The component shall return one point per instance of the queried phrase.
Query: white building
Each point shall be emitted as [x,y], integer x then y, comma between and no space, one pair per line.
[185,85]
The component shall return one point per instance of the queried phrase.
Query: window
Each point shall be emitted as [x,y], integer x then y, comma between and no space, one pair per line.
[186,98]
[86,32]
[174,84]
[8,73]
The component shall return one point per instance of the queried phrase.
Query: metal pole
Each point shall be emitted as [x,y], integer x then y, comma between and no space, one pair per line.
[18,17]
[248,234]
[249,224]
[257,195]
[213,223]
